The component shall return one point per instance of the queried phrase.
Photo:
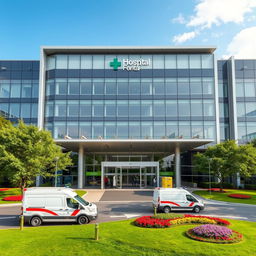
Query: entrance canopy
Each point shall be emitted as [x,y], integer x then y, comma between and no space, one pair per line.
[131,146]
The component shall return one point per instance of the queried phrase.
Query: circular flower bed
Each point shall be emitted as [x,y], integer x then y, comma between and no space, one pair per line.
[216,190]
[4,189]
[239,196]
[218,221]
[13,198]
[214,234]
[149,222]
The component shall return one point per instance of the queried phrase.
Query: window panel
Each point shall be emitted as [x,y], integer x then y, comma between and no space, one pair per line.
[195,86]
[250,109]
[184,108]
[171,108]
[25,110]
[239,90]
[183,86]
[26,91]
[61,86]
[60,108]
[73,87]
[122,130]
[134,86]
[15,90]
[61,61]
[110,108]
[110,86]
[195,61]
[14,110]
[98,109]
[98,62]
[158,61]
[158,86]
[110,130]
[159,108]
[209,108]
[85,130]
[240,109]
[72,130]
[146,108]
[182,61]
[74,61]
[146,86]
[86,86]
[73,108]
[85,109]
[170,62]
[4,90]
[122,86]
[59,130]
[49,109]
[4,112]
[249,89]
[86,62]
[98,86]
[50,62]
[147,130]
[134,130]
[208,85]
[134,108]
[171,86]
[171,130]
[34,113]
[197,129]
[97,130]
[122,108]
[207,61]
[159,130]
[184,130]
[196,108]
[209,130]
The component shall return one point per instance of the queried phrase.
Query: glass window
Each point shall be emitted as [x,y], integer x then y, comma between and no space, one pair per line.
[208,108]
[224,131]
[146,86]
[134,86]
[98,109]
[158,85]
[4,90]
[223,110]
[59,130]
[73,108]
[195,86]
[72,129]
[249,89]
[223,89]
[61,86]
[170,62]
[182,61]
[146,108]
[14,110]
[34,107]
[159,130]
[74,61]
[86,86]
[134,130]
[4,110]
[134,108]
[98,86]
[98,62]
[158,61]
[241,129]
[85,108]
[110,86]
[26,90]
[250,109]
[195,61]
[122,108]
[15,90]
[171,130]
[171,108]
[239,89]
[110,108]
[171,86]
[197,129]
[35,92]
[122,130]
[25,110]
[49,109]
[207,61]
[209,130]
[50,62]
[73,87]
[208,85]
[61,61]
[50,87]
[240,109]
[184,130]
[86,62]
[122,86]
[196,108]
[251,130]
[108,59]
[159,108]
[183,86]
[184,108]
[97,130]
[148,58]
[110,130]
[146,130]
[60,108]
[85,130]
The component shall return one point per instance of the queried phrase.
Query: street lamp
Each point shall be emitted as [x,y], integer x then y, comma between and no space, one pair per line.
[56,169]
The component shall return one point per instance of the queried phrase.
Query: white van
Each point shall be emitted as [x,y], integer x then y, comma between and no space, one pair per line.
[173,199]
[56,205]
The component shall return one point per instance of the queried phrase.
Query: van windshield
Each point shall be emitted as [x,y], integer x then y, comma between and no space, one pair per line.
[81,200]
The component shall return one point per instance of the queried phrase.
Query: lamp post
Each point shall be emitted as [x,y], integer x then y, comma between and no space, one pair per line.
[56,169]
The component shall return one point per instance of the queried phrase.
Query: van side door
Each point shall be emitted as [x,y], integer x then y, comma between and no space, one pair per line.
[72,207]
[190,201]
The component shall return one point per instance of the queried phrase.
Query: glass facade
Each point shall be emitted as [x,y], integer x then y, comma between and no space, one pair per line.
[171,97]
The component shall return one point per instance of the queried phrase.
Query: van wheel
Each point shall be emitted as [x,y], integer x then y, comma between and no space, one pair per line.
[167,209]
[35,221]
[197,209]
[82,220]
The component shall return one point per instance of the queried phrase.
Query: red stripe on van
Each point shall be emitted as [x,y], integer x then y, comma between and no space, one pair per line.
[191,204]
[75,212]
[169,202]
[41,210]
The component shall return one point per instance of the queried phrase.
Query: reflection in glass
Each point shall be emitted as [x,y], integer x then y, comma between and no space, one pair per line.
[134,130]
[171,130]
[15,90]
[59,130]
[146,108]
[60,108]
[184,108]
[85,130]
[14,110]
[25,110]
[250,109]
[184,130]
[159,130]
[196,108]
[122,130]
[146,130]
[72,129]
[85,108]
[197,129]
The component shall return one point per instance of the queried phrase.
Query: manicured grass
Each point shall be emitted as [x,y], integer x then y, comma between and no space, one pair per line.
[224,196]
[81,192]
[10,192]
[120,238]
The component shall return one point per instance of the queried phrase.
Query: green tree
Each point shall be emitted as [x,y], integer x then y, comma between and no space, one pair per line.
[226,159]
[26,152]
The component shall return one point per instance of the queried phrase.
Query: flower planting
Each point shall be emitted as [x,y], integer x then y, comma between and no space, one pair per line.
[149,222]
[217,190]
[239,196]
[192,220]
[167,216]
[214,234]
[218,221]
[4,189]
[13,198]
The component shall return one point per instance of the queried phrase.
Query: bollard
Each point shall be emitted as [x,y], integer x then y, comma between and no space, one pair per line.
[21,222]
[96,231]
[155,211]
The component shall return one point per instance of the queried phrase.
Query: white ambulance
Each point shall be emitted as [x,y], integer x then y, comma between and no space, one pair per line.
[50,204]
[176,199]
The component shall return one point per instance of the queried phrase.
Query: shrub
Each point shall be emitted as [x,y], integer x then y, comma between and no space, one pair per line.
[167,216]
[239,196]
[148,222]
[250,186]
[218,221]
[13,198]
[215,185]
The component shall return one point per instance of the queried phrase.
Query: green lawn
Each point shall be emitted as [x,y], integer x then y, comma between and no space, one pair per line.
[81,192]
[120,238]
[10,192]
[224,196]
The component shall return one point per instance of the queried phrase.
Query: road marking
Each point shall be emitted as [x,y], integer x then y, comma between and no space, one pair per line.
[3,218]
[127,216]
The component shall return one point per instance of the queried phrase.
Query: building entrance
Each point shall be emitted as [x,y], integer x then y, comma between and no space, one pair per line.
[129,174]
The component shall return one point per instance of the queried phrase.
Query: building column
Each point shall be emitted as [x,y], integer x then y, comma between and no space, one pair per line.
[177,166]
[80,166]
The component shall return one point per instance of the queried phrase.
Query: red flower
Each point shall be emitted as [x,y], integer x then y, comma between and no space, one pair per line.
[4,189]
[239,196]
[13,198]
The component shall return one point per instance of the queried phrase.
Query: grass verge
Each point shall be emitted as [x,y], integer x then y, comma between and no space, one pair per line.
[120,238]
[224,196]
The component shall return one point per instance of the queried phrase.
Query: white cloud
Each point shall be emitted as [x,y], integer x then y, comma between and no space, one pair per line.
[243,44]
[215,12]
[181,38]
[179,19]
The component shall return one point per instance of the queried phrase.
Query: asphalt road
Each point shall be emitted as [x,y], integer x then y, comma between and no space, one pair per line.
[122,205]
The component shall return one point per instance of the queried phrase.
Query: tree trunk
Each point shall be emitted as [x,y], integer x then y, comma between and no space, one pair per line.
[221,184]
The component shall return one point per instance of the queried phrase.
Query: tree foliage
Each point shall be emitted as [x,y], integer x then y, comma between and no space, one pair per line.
[226,159]
[26,152]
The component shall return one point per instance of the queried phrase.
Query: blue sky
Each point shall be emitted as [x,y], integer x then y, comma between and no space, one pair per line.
[228,24]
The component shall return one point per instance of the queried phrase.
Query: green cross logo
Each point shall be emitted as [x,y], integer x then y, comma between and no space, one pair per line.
[115,64]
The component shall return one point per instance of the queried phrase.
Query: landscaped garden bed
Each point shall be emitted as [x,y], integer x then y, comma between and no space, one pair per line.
[9,195]
[214,234]
[13,198]
[240,196]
